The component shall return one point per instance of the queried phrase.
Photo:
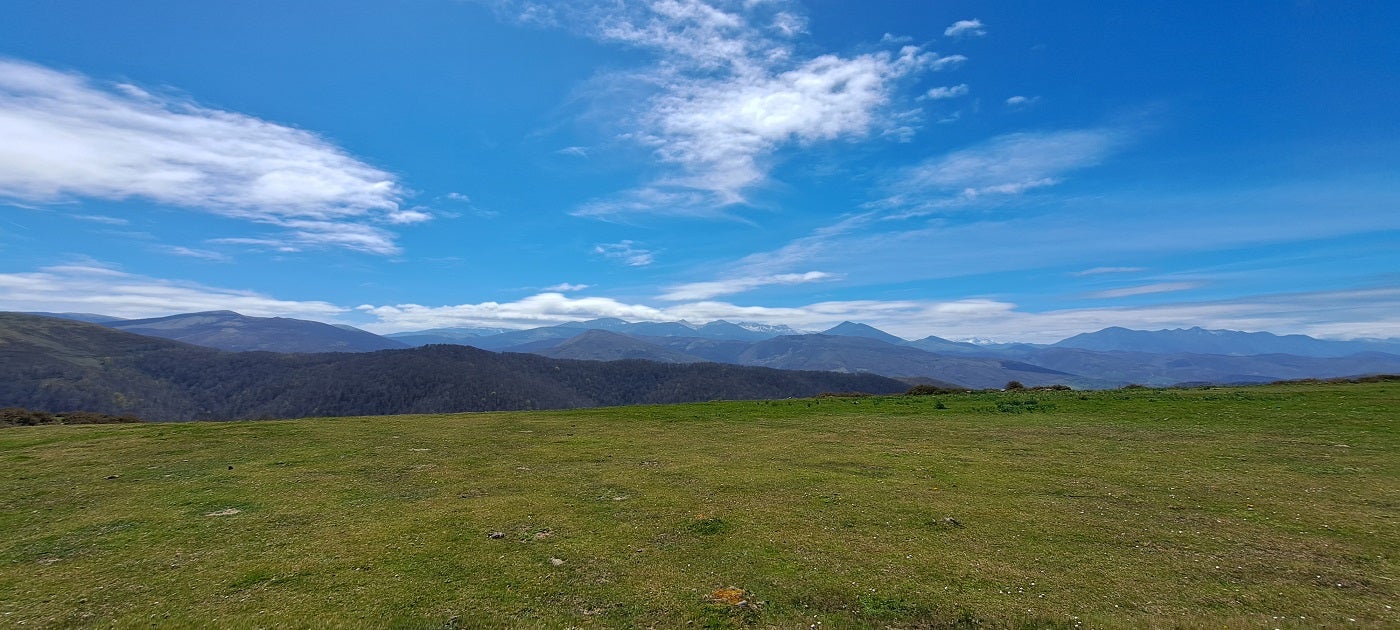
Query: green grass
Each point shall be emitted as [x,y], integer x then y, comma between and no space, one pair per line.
[1263,507]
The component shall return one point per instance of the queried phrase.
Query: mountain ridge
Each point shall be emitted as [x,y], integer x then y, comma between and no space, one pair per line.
[227,330]
[63,365]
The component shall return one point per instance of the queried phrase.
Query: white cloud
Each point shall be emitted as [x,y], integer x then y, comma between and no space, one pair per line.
[69,137]
[408,216]
[946,92]
[98,218]
[538,310]
[722,133]
[966,28]
[258,243]
[891,38]
[202,254]
[574,151]
[1146,289]
[1019,101]
[93,288]
[1003,166]
[706,290]
[627,252]
[565,287]
[789,24]
[947,63]
[727,96]
[456,196]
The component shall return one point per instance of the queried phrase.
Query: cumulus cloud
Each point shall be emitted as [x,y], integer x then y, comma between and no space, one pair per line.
[706,290]
[966,28]
[626,251]
[721,133]
[789,24]
[537,310]
[728,91]
[947,92]
[1019,101]
[67,136]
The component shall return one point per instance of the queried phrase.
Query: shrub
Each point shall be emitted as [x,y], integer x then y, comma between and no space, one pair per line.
[1015,385]
[930,390]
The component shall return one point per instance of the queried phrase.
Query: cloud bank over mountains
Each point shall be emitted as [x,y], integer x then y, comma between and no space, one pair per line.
[94,288]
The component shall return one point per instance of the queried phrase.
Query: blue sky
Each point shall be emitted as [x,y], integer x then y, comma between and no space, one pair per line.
[1010,171]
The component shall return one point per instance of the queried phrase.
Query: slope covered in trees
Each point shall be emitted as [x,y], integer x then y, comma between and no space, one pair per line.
[59,365]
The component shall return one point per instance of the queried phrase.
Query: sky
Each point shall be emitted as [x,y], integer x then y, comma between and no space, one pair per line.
[994,171]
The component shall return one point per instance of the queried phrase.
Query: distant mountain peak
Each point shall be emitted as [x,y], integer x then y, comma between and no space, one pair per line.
[853,329]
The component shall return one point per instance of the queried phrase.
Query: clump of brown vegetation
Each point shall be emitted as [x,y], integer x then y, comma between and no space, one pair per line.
[932,390]
[15,416]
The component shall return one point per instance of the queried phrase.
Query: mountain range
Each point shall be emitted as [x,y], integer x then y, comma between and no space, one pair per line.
[1107,358]
[61,365]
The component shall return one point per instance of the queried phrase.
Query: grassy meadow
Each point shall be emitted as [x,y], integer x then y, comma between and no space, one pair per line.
[1269,507]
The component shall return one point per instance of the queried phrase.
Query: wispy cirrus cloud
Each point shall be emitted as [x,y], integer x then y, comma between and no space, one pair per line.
[729,90]
[626,251]
[1103,270]
[88,287]
[1146,289]
[103,219]
[565,287]
[946,241]
[706,290]
[1007,165]
[188,252]
[67,136]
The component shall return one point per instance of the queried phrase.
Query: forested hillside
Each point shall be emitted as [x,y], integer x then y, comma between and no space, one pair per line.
[58,365]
